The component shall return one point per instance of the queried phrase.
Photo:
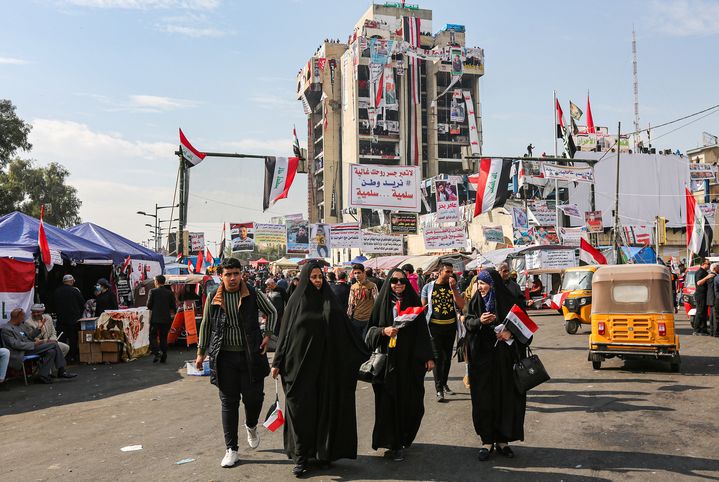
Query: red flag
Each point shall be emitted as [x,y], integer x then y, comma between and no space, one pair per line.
[590,119]
[179,257]
[589,254]
[209,260]
[126,264]
[190,266]
[200,258]
[560,119]
[45,255]
[699,232]
[557,301]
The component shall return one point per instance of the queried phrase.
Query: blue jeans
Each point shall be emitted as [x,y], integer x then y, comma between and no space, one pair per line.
[4,360]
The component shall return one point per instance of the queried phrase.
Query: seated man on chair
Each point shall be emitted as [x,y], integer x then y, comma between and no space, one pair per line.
[45,328]
[20,339]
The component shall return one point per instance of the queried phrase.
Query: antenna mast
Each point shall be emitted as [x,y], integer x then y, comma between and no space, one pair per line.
[637,138]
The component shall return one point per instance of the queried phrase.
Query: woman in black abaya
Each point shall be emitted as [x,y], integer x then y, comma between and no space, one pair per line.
[497,407]
[399,401]
[318,356]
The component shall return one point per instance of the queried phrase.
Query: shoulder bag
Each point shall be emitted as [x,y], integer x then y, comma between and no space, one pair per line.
[529,372]
[372,371]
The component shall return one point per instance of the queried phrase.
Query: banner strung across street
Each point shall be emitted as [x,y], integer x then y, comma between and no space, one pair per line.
[319,241]
[17,286]
[493,234]
[593,220]
[385,187]
[447,201]
[403,223]
[298,236]
[242,237]
[568,173]
[373,243]
[345,235]
[445,239]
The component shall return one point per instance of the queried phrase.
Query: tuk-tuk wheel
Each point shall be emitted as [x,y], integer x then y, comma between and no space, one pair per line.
[675,363]
[597,365]
[571,326]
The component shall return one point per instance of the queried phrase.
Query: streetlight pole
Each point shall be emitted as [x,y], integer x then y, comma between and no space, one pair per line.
[157,223]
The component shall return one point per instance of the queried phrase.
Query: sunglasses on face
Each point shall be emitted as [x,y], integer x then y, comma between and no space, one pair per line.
[394,281]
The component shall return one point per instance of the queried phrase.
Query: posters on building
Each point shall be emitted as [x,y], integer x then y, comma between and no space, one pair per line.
[457,64]
[270,234]
[551,259]
[385,187]
[709,210]
[471,123]
[568,173]
[390,88]
[456,111]
[319,241]
[541,214]
[523,236]
[403,223]
[699,171]
[298,235]
[197,242]
[242,236]
[374,243]
[572,236]
[638,235]
[447,201]
[519,218]
[571,210]
[345,235]
[442,128]
[445,239]
[493,234]
[546,235]
[593,220]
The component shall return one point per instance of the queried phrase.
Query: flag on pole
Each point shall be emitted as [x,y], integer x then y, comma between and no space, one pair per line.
[179,258]
[222,243]
[295,144]
[699,233]
[574,111]
[199,269]
[45,255]
[590,119]
[560,119]
[190,266]
[493,184]
[126,264]
[589,254]
[279,175]
[520,324]
[209,260]
[557,301]
[191,155]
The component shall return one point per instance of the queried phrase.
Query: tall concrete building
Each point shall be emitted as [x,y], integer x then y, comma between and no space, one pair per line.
[376,100]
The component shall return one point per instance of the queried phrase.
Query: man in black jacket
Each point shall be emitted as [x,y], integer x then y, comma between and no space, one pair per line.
[69,304]
[513,287]
[230,334]
[703,280]
[161,302]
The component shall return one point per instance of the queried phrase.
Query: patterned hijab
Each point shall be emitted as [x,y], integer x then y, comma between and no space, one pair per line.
[489,298]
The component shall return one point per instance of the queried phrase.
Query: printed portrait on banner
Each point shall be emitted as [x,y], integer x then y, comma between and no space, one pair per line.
[447,201]
[298,236]
[242,236]
[519,218]
[319,241]
[456,111]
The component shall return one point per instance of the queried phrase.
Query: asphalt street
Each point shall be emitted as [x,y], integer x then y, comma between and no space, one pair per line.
[628,421]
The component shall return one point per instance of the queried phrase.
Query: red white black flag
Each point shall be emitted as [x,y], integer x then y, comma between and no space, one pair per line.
[589,254]
[191,155]
[295,144]
[279,175]
[699,233]
[520,324]
[493,184]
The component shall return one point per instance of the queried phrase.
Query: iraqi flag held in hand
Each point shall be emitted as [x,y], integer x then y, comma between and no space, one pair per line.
[408,314]
[589,254]
[492,185]
[191,155]
[520,325]
[274,418]
[279,175]
[699,233]
[557,301]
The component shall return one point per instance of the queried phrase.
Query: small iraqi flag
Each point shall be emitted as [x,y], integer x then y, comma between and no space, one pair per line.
[557,301]
[520,324]
[279,175]
[190,266]
[191,155]
[589,254]
[179,258]
[274,418]
[44,246]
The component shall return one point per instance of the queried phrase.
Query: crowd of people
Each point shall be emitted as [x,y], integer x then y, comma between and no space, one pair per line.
[327,327]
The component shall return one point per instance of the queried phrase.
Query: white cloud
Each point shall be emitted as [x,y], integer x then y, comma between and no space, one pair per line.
[13,61]
[195,32]
[144,4]
[684,18]
[142,103]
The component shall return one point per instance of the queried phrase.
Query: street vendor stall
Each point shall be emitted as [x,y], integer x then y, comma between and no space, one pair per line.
[130,326]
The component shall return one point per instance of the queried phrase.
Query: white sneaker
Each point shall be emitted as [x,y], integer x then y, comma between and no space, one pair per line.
[230,459]
[253,438]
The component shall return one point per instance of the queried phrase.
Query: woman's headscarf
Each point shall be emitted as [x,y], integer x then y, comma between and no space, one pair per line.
[386,299]
[498,300]
[488,299]
[305,295]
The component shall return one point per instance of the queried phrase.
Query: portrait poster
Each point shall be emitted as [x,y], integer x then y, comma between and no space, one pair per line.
[298,236]
[519,218]
[447,201]
[593,220]
[546,235]
[403,223]
[456,111]
[319,241]
[242,236]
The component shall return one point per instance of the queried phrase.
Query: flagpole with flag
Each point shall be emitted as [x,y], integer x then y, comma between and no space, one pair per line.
[45,255]
[557,114]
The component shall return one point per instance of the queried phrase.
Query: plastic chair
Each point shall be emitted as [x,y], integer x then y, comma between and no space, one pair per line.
[28,358]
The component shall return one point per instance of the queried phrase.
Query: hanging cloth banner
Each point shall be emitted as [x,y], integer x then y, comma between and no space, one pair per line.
[568,173]
[390,88]
[471,123]
[571,210]
[455,79]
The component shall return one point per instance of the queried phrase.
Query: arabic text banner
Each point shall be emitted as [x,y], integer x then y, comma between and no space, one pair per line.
[345,235]
[385,187]
[568,173]
[445,239]
[373,243]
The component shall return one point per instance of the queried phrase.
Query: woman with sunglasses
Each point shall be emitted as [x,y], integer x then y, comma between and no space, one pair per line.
[399,401]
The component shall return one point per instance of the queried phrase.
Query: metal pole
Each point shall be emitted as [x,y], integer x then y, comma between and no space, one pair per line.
[556,181]
[157,231]
[616,198]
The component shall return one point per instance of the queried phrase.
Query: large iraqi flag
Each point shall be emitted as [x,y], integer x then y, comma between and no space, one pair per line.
[699,233]
[279,175]
[17,286]
[191,155]
[492,184]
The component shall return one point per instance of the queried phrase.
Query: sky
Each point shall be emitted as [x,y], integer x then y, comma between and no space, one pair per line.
[106,84]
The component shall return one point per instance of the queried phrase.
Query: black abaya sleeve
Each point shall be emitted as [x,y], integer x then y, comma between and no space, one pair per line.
[375,338]
[423,343]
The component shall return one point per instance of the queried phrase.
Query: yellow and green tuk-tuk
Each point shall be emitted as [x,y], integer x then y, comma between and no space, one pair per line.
[633,315]
[577,306]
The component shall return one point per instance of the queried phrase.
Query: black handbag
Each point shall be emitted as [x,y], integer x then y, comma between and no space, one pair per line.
[372,371]
[529,372]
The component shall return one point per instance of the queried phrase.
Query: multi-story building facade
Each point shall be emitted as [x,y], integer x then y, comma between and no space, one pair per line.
[376,100]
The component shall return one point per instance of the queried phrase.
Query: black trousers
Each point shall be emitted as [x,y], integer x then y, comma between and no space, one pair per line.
[360,327]
[161,330]
[714,320]
[700,318]
[69,335]
[50,356]
[233,380]
[442,344]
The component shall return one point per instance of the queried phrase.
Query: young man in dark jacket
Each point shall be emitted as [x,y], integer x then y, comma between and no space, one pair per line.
[230,335]
[161,304]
